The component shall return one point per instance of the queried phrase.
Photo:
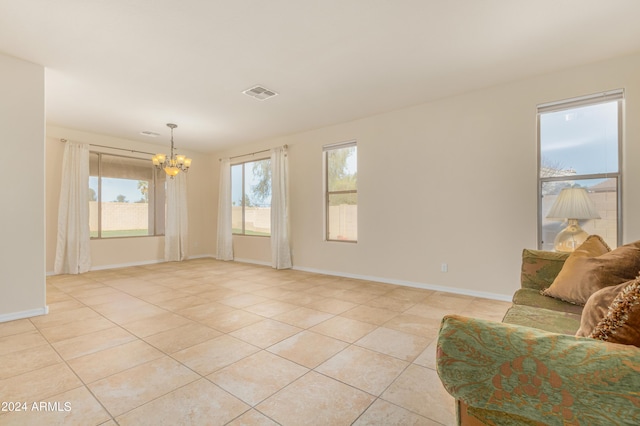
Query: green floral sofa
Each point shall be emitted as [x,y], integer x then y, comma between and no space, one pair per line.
[531,369]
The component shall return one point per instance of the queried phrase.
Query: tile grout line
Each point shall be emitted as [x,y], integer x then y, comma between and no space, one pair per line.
[85,385]
[290,283]
[113,417]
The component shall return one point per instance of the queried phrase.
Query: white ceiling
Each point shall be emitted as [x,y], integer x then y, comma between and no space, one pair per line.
[119,67]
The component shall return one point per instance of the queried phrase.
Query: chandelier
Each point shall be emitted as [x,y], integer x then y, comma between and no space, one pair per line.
[173,164]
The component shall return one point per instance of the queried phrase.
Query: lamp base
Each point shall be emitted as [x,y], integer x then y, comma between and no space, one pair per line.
[570,237]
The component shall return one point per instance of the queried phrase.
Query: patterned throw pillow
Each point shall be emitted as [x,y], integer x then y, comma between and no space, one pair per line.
[592,267]
[622,323]
[597,307]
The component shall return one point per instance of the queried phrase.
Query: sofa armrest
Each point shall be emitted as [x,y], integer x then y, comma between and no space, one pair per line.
[540,268]
[544,377]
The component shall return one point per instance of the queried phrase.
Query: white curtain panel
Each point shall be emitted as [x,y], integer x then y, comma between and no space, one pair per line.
[72,250]
[176,222]
[280,247]
[224,249]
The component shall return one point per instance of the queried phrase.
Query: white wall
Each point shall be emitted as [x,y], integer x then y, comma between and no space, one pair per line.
[463,169]
[115,252]
[22,190]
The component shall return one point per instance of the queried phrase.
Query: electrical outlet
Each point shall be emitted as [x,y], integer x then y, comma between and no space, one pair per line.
[444,267]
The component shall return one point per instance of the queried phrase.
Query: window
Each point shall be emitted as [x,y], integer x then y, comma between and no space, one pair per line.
[251,198]
[579,144]
[126,197]
[341,191]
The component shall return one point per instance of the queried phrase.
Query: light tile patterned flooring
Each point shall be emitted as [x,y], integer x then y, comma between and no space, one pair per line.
[204,342]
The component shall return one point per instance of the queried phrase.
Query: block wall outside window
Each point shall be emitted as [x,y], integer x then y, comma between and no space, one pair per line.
[127,197]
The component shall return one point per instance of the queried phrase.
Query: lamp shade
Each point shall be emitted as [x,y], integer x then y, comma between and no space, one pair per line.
[573,203]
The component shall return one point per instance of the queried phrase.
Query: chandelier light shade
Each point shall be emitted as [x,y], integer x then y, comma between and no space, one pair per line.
[174,163]
[572,204]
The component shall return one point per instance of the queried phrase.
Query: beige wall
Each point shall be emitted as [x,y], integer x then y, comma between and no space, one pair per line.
[22,117]
[132,251]
[464,170]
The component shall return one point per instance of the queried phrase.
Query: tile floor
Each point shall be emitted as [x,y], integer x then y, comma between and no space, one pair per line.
[212,343]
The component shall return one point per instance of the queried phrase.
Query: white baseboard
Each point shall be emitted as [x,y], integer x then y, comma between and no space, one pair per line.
[202,256]
[125,265]
[461,291]
[252,261]
[24,314]
[141,263]
[116,265]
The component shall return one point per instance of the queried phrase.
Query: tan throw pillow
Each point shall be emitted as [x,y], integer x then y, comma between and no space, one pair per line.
[622,323]
[567,278]
[597,307]
[592,267]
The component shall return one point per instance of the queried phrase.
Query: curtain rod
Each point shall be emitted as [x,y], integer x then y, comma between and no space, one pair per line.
[252,153]
[143,152]
[111,147]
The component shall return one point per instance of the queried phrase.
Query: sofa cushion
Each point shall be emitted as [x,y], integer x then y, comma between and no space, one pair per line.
[533,298]
[543,319]
[592,267]
[545,378]
[597,306]
[540,267]
[622,322]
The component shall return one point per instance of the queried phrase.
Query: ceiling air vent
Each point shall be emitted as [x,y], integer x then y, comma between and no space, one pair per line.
[260,93]
[150,134]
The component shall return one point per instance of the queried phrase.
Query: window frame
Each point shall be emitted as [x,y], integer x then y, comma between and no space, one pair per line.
[243,164]
[327,193]
[567,104]
[154,173]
